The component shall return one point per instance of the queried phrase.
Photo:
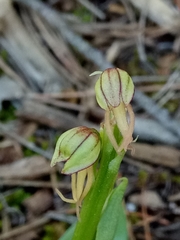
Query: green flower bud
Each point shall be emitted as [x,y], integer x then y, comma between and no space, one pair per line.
[79,148]
[113,87]
[114,91]
[127,86]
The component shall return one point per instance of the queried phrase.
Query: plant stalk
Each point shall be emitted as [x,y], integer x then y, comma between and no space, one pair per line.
[93,203]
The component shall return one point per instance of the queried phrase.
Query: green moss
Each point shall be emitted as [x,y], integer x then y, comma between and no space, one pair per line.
[142,177]
[176,179]
[44,145]
[0,225]
[16,198]
[28,152]
[134,218]
[7,113]
[83,14]
[163,176]
[32,139]
[4,56]
[134,66]
[49,233]
[172,105]
[53,231]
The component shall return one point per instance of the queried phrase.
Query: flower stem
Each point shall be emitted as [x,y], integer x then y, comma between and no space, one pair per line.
[93,203]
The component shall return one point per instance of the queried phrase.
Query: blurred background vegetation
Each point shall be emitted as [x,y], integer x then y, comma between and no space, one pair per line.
[48,48]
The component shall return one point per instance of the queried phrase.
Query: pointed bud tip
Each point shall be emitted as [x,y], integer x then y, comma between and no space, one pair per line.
[95,73]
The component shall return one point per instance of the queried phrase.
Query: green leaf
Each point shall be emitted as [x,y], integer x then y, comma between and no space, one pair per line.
[68,235]
[112,225]
[121,230]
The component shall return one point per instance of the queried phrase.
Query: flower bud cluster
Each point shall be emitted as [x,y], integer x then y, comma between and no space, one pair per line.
[79,148]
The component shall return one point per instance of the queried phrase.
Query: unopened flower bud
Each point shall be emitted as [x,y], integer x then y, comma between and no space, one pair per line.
[79,148]
[113,87]
[114,92]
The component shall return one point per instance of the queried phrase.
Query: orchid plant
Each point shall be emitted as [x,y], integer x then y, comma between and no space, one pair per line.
[93,159]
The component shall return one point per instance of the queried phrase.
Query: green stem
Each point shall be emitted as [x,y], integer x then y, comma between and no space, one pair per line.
[93,204]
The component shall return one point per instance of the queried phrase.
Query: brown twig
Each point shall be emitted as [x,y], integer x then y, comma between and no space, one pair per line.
[38,223]
[35,184]
[146,224]
[64,95]
[25,228]
[11,73]
[62,104]
[24,142]
[138,164]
